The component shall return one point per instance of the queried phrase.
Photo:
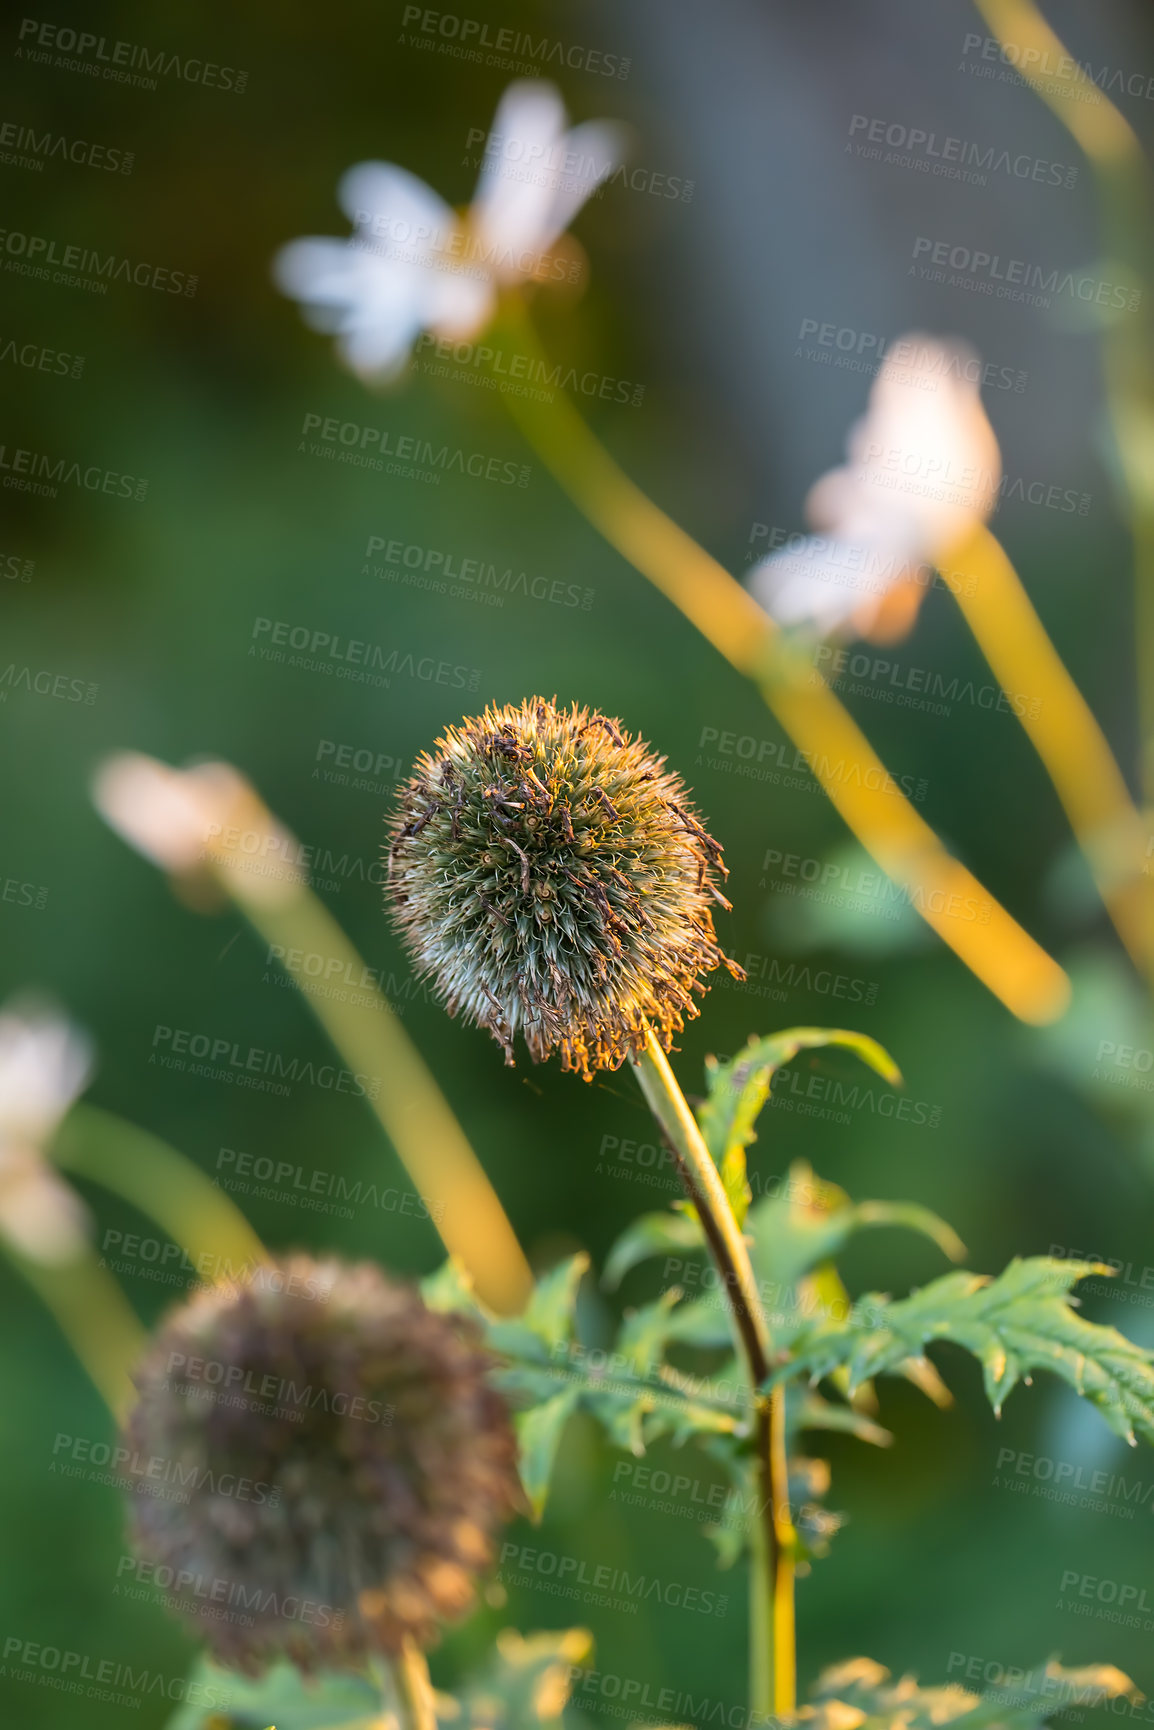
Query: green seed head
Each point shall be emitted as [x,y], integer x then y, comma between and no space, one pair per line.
[550,875]
[319,1464]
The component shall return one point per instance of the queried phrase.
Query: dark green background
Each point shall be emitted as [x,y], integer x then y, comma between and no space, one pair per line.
[155,603]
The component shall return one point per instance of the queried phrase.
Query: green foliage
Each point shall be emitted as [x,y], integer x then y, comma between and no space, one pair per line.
[858,1695]
[737,1090]
[1015,1324]
[523,1687]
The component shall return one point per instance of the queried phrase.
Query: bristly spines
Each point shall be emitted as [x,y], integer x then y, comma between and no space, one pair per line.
[549,873]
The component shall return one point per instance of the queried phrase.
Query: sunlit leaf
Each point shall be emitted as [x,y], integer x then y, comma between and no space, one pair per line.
[859,1695]
[1015,1324]
[652,1234]
[218,1699]
[539,1432]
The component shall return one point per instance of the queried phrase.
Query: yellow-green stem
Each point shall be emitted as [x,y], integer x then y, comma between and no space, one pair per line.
[947,896]
[96,1319]
[162,1183]
[772,1654]
[414,1691]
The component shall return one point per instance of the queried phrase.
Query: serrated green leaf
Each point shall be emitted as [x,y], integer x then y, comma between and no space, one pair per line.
[550,1310]
[817,1413]
[281,1697]
[738,1090]
[1015,1324]
[539,1433]
[652,1234]
[449,1290]
[858,1695]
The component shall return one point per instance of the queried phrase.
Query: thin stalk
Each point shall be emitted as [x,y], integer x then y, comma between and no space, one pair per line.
[162,1183]
[772,1657]
[948,897]
[414,1691]
[1063,730]
[95,1318]
[407,1102]
[1126,192]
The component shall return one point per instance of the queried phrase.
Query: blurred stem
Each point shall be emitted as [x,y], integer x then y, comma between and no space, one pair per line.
[1127,215]
[1062,728]
[965,916]
[408,1104]
[772,1645]
[95,1318]
[163,1184]
[414,1691]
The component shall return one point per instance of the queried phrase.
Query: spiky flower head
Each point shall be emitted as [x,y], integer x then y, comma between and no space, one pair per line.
[318,1464]
[549,873]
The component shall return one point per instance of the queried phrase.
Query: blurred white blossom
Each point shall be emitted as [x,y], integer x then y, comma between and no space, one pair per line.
[188,820]
[923,469]
[413,264]
[45,1063]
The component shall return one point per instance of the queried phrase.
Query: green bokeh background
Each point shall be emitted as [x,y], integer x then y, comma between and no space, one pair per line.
[155,603]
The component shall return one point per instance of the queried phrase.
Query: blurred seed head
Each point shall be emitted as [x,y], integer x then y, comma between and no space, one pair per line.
[550,875]
[378,1461]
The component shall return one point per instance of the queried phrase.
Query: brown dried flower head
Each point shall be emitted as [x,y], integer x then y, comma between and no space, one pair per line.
[319,1464]
[550,875]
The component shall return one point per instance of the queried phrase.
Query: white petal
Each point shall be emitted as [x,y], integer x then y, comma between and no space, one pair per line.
[394,205]
[45,1062]
[154,808]
[819,583]
[536,176]
[39,1212]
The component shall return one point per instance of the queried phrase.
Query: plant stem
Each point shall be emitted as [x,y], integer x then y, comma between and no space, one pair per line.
[414,1691]
[96,1319]
[1063,730]
[772,1656]
[869,801]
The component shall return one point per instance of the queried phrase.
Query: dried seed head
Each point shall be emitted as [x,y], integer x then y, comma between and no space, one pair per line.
[549,873]
[317,1438]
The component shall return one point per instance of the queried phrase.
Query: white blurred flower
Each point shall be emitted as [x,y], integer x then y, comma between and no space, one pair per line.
[923,469]
[412,264]
[187,820]
[45,1063]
